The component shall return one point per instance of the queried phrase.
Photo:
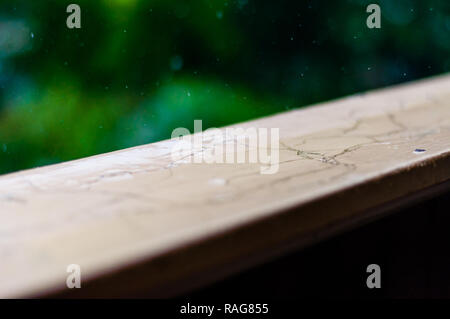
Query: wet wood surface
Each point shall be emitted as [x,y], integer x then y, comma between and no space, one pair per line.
[138,222]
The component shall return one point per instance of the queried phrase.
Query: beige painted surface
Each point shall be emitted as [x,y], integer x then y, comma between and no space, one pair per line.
[133,206]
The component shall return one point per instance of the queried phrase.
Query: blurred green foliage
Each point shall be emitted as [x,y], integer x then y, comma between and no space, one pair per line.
[138,69]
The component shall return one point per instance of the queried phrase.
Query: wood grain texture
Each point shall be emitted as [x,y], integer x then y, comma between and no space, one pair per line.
[135,221]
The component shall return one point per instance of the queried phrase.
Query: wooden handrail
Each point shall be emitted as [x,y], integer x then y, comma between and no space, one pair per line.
[136,221]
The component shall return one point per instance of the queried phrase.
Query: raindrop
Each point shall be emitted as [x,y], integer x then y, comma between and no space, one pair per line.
[176,63]
[32,35]
[5,148]
[217,181]
[219,14]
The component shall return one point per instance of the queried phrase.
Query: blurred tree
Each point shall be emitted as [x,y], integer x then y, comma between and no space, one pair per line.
[138,69]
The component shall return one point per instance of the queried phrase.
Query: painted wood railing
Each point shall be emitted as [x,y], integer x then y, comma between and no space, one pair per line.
[138,221]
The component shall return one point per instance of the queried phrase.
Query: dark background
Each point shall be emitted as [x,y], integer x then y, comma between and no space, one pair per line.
[138,69]
[411,247]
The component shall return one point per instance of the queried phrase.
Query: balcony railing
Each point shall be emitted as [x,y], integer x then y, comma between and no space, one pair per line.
[141,220]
